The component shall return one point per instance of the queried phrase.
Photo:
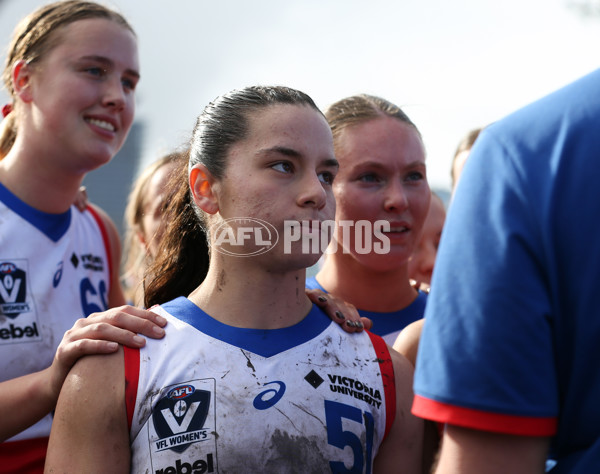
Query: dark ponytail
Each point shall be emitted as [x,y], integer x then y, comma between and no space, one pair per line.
[183,257]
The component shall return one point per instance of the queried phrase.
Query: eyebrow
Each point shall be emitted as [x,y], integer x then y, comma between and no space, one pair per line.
[292,153]
[376,164]
[109,62]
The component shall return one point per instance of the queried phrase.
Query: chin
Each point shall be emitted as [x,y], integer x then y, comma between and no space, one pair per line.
[298,262]
[99,158]
[383,262]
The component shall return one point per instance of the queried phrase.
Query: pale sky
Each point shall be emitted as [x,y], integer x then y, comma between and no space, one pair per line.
[451,64]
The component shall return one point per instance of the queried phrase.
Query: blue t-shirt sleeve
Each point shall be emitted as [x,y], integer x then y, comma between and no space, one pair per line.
[486,346]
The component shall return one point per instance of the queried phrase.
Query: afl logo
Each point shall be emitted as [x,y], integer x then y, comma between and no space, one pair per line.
[180,392]
[7,268]
[245,237]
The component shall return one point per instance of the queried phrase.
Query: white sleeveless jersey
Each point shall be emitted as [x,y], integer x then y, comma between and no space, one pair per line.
[54,269]
[214,398]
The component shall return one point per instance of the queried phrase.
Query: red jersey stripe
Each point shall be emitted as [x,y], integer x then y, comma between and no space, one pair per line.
[389,381]
[132,372]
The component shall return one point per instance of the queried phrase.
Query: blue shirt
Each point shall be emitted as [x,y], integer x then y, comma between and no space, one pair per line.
[512,339]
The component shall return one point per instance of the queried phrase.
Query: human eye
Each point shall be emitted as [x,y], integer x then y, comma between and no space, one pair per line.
[326,177]
[129,83]
[283,167]
[415,176]
[96,71]
[369,178]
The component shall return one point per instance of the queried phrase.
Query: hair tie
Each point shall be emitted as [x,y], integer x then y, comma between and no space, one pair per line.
[7,109]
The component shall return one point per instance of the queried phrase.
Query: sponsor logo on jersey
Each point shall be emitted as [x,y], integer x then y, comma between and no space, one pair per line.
[57,275]
[314,379]
[14,302]
[179,418]
[19,332]
[200,466]
[355,388]
[91,262]
[13,290]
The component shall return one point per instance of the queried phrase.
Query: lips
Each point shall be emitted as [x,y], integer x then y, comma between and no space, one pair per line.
[102,123]
[398,228]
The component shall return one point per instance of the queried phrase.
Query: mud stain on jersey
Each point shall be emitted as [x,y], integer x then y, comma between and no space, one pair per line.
[249,364]
[300,454]
[305,410]
[145,406]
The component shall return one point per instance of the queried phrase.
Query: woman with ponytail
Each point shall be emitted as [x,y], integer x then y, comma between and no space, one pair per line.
[252,377]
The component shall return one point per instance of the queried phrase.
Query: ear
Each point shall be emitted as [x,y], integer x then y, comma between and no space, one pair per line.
[202,186]
[141,239]
[21,77]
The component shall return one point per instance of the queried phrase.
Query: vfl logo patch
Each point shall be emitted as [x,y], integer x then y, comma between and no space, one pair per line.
[13,290]
[178,418]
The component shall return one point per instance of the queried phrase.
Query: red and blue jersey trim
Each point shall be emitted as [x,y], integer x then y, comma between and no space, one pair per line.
[106,241]
[483,420]
[389,381]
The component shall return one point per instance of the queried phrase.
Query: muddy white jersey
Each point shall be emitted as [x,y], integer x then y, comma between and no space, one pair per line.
[214,398]
[54,269]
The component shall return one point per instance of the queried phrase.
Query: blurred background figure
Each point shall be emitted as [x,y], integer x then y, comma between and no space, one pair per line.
[461,154]
[143,222]
[420,265]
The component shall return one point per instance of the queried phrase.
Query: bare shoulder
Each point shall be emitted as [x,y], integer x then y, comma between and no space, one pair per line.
[407,342]
[402,449]
[93,395]
[402,365]
[94,371]
[403,375]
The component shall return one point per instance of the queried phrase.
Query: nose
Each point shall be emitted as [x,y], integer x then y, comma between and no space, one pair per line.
[312,193]
[395,199]
[114,95]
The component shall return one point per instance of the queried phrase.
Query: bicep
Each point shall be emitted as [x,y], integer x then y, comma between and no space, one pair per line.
[89,431]
[471,451]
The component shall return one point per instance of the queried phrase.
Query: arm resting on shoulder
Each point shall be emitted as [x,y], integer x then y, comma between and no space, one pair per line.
[97,334]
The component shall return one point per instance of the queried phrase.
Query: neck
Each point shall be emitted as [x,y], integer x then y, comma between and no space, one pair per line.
[366,288]
[240,293]
[38,182]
